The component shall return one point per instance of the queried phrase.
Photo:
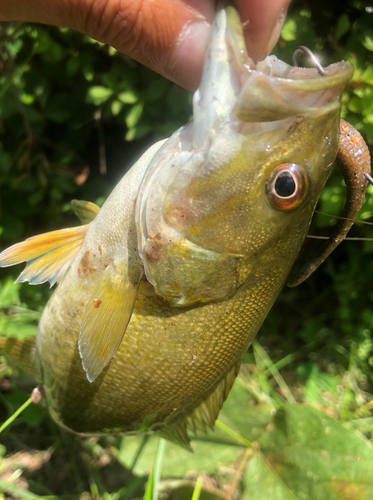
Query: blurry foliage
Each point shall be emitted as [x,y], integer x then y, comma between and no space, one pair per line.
[74,116]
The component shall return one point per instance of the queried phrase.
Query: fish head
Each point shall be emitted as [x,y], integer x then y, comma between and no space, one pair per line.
[246,173]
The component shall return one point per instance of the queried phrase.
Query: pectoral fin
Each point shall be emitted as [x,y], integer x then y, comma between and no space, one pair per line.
[106,318]
[85,210]
[48,255]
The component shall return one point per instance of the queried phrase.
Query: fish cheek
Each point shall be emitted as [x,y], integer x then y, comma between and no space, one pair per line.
[186,274]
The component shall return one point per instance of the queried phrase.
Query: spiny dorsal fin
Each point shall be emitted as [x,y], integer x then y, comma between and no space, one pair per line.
[106,318]
[48,255]
[85,210]
[207,412]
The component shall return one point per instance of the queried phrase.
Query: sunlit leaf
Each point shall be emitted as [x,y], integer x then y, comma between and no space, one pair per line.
[97,94]
[313,456]
[127,97]
[289,30]
[134,115]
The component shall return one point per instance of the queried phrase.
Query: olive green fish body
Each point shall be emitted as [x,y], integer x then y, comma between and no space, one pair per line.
[163,290]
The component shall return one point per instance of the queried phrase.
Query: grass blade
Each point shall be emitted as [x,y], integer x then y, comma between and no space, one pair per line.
[148,495]
[15,415]
[197,489]
[260,352]
[6,486]
[237,437]
[151,491]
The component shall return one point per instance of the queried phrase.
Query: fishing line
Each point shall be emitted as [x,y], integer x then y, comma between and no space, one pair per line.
[315,237]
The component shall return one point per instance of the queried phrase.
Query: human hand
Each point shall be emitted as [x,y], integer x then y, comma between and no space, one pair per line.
[168,36]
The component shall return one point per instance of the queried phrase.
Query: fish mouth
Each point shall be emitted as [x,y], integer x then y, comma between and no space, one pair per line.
[272,89]
[233,87]
[275,90]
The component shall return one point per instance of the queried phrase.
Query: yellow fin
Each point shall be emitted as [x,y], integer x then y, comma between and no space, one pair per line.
[177,434]
[85,210]
[106,318]
[48,255]
[21,352]
[207,412]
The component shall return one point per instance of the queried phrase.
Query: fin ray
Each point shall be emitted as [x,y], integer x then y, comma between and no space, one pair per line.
[48,255]
[85,210]
[177,434]
[106,318]
[207,412]
[50,267]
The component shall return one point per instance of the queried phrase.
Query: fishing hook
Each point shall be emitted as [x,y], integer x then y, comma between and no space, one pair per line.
[368,178]
[305,50]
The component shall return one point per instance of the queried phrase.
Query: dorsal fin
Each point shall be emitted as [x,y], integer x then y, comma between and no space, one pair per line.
[85,210]
[48,255]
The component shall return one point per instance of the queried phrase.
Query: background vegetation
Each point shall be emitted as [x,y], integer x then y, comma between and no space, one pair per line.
[74,115]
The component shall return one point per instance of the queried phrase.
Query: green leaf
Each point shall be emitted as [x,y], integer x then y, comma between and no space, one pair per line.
[127,97]
[263,483]
[27,99]
[310,455]
[134,115]
[116,107]
[177,461]
[97,94]
[9,293]
[368,42]
[343,25]
[289,30]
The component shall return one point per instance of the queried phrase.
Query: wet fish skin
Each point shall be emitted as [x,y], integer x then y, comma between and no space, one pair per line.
[192,238]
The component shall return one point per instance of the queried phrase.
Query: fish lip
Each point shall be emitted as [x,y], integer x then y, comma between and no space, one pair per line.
[306,79]
[275,90]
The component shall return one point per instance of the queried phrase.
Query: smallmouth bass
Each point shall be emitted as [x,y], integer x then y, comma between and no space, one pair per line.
[162,289]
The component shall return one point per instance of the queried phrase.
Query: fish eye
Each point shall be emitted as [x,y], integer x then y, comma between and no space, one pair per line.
[287,186]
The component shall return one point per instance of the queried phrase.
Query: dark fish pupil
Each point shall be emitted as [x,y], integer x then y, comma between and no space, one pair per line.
[285,185]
